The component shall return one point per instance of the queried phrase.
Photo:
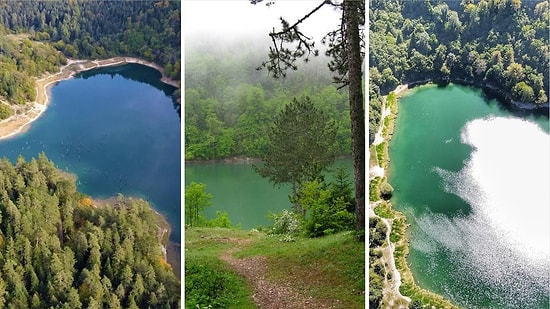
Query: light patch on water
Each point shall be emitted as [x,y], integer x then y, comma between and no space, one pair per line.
[504,243]
[510,164]
[478,260]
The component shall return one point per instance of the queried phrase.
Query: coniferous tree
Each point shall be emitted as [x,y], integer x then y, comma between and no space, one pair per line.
[346,49]
[301,146]
[83,263]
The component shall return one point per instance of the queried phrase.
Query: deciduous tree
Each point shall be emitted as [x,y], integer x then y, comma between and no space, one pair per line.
[196,200]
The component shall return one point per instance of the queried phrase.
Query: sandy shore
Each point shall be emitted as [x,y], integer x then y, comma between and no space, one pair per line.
[25,115]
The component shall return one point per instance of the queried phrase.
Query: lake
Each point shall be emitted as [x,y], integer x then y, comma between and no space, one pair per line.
[118,130]
[239,190]
[473,178]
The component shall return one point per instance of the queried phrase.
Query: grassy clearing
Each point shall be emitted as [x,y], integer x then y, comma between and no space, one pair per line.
[208,280]
[330,268]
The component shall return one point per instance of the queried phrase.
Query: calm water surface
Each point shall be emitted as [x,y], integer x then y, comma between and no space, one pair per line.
[472,179]
[118,130]
[237,189]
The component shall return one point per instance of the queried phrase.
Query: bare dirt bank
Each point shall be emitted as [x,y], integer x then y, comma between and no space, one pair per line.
[25,115]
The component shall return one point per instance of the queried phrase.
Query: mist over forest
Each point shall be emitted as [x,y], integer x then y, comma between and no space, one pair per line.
[230,104]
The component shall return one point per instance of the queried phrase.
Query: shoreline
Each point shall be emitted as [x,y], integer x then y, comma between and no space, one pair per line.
[504,98]
[24,115]
[171,250]
[396,222]
[242,160]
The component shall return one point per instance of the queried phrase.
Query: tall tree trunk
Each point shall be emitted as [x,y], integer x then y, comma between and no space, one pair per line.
[357,110]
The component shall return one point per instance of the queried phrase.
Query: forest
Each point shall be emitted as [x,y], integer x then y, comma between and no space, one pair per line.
[59,248]
[21,59]
[37,37]
[502,45]
[102,29]
[230,107]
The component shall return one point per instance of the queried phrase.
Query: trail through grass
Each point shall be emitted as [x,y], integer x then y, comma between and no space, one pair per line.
[327,272]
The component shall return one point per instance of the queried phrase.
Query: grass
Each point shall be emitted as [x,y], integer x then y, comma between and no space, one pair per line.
[208,280]
[330,268]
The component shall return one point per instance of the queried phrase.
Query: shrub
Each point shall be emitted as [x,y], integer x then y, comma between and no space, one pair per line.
[285,223]
[325,215]
[374,191]
[208,286]
[221,220]
[378,232]
[386,190]
[5,111]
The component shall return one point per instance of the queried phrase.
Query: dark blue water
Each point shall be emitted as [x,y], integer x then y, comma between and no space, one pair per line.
[118,130]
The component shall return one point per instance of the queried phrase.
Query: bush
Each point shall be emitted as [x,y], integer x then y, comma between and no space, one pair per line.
[286,223]
[221,220]
[386,190]
[208,286]
[325,215]
[5,111]
[378,232]
[374,191]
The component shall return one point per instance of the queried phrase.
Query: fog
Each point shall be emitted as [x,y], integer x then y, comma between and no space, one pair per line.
[226,23]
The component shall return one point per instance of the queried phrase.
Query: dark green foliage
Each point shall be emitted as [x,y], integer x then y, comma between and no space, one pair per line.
[386,190]
[378,231]
[415,304]
[325,213]
[376,286]
[300,146]
[92,29]
[20,60]
[341,188]
[499,44]
[58,249]
[229,107]
[209,285]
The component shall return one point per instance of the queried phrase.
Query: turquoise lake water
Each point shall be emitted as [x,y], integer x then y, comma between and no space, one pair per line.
[473,179]
[237,189]
[118,130]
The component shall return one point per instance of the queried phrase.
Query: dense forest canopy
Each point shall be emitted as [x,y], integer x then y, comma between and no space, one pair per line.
[230,107]
[59,249]
[499,44]
[102,29]
[20,60]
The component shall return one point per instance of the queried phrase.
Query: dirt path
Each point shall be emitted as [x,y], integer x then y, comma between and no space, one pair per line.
[267,294]
[391,289]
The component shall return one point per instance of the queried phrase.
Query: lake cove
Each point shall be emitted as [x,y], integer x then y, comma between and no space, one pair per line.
[239,190]
[472,179]
[118,130]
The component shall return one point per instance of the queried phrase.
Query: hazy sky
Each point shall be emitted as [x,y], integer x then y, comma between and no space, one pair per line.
[229,20]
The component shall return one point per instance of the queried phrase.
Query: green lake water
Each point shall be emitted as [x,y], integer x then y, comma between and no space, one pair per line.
[473,179]
[237,189]
[118,130]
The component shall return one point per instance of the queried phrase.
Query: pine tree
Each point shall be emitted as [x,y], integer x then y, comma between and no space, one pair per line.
[301,145]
